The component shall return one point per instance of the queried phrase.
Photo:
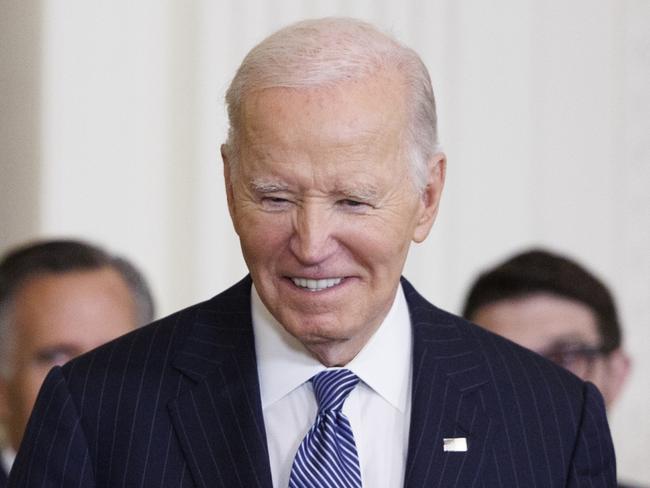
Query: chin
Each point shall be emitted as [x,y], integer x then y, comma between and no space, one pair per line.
[317,333]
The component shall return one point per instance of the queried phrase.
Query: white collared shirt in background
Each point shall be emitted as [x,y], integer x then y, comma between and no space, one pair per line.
[379,408]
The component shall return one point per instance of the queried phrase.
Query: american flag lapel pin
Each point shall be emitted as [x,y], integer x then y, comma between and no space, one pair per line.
[454,444]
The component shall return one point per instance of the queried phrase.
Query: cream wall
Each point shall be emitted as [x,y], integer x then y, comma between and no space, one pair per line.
[112,115]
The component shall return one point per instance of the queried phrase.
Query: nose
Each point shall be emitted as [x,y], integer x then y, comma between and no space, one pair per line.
[312,241]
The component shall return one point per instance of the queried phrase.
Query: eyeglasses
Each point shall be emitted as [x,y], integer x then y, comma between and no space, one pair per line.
[577,358]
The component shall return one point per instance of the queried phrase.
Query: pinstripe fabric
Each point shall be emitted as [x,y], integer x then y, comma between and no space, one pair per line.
[176,404]
[527,422]
[327,456]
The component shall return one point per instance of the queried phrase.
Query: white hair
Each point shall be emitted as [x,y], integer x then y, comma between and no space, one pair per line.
[328,51]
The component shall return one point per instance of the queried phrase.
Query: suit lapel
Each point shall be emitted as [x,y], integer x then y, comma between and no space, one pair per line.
[3,476]
[448,374]
[218,420]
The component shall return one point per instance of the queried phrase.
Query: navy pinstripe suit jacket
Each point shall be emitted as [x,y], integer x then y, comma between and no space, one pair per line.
[177,404]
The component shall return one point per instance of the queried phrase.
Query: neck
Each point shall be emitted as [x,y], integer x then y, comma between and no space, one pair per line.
[338,353]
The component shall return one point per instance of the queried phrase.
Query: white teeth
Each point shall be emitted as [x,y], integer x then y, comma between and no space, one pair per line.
[316,285]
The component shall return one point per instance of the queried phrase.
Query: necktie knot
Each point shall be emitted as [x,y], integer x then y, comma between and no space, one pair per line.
[332,388]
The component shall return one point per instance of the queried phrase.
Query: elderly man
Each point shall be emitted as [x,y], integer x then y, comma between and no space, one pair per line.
[323,367]
[58,299]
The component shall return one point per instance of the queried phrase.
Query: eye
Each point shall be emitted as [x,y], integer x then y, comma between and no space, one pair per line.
[54,356]
[352,204]
[275,203]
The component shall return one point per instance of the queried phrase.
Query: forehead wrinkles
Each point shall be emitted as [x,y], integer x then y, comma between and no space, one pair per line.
[273,141]
[319,155]
[381,99]
[318,133]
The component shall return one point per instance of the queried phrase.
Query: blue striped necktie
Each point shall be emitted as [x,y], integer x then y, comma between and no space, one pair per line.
[327,456]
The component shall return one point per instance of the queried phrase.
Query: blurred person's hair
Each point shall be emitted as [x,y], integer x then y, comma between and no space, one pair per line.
[538,271]
[57,257]
[327,52]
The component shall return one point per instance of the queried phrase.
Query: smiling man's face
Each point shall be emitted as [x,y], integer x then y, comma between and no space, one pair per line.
[325,208]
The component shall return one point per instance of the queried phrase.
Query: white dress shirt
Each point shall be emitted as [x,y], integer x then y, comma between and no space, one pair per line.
[7,457]
[379,408]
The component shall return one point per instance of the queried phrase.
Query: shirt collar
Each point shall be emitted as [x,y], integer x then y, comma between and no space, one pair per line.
[284,364]
[7,457]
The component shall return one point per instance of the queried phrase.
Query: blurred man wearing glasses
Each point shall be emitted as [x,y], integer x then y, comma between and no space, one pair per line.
[557,308]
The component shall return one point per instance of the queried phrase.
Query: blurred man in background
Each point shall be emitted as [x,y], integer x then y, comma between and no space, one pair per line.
[557,308]
[58,299]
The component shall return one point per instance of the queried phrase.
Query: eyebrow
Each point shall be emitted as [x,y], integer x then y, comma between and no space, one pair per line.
[260,185]
[359,192]
[365,192]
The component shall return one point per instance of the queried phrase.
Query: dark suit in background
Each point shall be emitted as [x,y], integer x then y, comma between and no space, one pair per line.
[178,404]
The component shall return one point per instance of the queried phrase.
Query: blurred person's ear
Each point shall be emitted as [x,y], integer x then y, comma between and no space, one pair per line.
[618,365]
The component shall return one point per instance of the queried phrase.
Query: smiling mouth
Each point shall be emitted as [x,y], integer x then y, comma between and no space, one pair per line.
[316,285]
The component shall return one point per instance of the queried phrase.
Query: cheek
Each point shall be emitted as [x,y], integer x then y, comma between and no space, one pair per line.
[599,377]
[263,240]
[33,382]
[25,390]
[378,245]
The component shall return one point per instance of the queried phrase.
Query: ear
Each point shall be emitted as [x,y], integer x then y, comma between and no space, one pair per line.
[430,198]
[618,369]
[227,177]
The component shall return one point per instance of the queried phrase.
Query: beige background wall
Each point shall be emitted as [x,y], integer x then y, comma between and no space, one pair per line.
[111,116]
